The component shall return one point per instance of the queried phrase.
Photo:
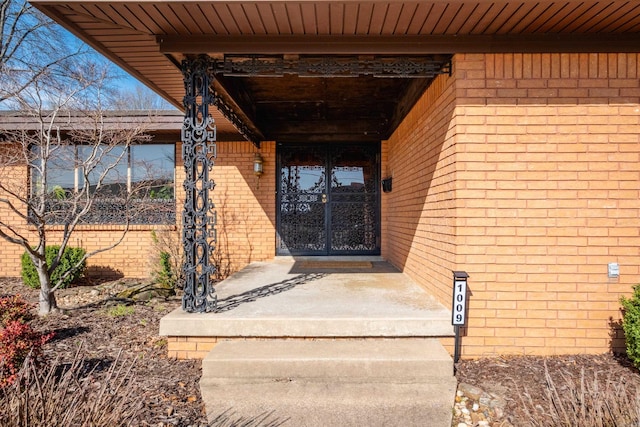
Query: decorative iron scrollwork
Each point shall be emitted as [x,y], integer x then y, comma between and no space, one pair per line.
[198,217]
[330,67]
[427,66]
[253,65]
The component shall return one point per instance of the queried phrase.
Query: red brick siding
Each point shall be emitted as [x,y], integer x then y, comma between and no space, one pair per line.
[245,204]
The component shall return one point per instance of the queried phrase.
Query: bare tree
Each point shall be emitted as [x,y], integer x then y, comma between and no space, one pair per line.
[66,130]
[32,48]
[140,97]
[58,87]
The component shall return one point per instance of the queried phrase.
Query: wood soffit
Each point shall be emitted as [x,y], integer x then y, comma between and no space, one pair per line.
[150,38]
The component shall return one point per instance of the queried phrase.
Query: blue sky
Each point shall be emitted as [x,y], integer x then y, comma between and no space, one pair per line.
[123,80]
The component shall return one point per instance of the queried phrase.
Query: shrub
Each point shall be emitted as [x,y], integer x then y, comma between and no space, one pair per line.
[164,275]
[167,259]
[17,338]
[17,341]
[14,308]
[70,257]
[631,325]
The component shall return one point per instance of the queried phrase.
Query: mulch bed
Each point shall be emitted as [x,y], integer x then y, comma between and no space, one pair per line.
[169,388]
[522,381]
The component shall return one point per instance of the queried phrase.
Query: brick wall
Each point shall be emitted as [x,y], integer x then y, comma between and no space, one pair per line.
[245,204]
[419,232]
[245,208]
[523,170]
[132,257]
[547,167]
[548,187]
[14,178]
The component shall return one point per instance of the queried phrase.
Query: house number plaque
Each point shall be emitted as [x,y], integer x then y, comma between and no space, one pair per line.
[459,306]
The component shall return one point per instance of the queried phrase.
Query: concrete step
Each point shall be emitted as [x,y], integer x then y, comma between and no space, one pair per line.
[275,300]
[405,360]
[364,382]
[331,324]
[324,404]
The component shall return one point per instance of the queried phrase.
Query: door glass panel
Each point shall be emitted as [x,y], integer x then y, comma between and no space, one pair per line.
[302,200]
[353,199]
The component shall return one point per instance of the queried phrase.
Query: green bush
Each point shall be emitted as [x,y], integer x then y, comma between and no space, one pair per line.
[164,275]
[70,258]
[631,324]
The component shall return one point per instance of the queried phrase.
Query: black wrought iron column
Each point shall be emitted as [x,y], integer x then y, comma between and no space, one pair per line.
[198,217]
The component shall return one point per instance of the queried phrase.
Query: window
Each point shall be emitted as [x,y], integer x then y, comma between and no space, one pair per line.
[135,183]
[112,162]
[157,164]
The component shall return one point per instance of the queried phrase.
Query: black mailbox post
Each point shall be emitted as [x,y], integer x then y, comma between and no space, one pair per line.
[459,308]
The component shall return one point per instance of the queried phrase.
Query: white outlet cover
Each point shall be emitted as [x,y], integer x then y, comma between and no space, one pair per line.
[613,269]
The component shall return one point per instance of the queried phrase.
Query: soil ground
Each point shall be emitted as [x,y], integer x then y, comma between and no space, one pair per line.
[533,387]
[100,328]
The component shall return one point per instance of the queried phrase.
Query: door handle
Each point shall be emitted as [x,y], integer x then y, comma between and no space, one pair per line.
[324,198]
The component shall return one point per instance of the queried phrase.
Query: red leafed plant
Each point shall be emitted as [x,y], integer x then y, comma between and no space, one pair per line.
[17,338]
[14,307]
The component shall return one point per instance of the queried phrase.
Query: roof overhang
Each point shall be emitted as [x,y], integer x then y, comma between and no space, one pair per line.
[162,125]
[398,45]
[149,39]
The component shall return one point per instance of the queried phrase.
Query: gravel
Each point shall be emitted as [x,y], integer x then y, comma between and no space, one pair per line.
[506,391]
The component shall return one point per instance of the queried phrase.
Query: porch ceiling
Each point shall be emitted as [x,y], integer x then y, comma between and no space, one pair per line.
[150,38]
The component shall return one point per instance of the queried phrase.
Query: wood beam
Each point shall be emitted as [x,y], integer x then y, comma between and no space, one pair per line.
[365,128]
[327,138]
[55,2]
[399,45]
[243,104]
[245,117]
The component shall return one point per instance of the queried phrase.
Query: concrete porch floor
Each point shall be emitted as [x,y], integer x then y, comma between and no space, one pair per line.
[323,297]
[321,341]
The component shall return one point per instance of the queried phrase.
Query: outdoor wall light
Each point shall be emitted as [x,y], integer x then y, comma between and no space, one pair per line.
[257,165]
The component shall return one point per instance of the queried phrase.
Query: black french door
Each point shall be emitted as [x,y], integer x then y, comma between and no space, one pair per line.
[328,199]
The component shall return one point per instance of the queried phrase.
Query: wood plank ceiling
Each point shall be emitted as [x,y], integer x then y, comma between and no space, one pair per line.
[150,38]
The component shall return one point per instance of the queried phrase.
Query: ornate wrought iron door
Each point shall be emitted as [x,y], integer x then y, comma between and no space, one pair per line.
[328,199]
